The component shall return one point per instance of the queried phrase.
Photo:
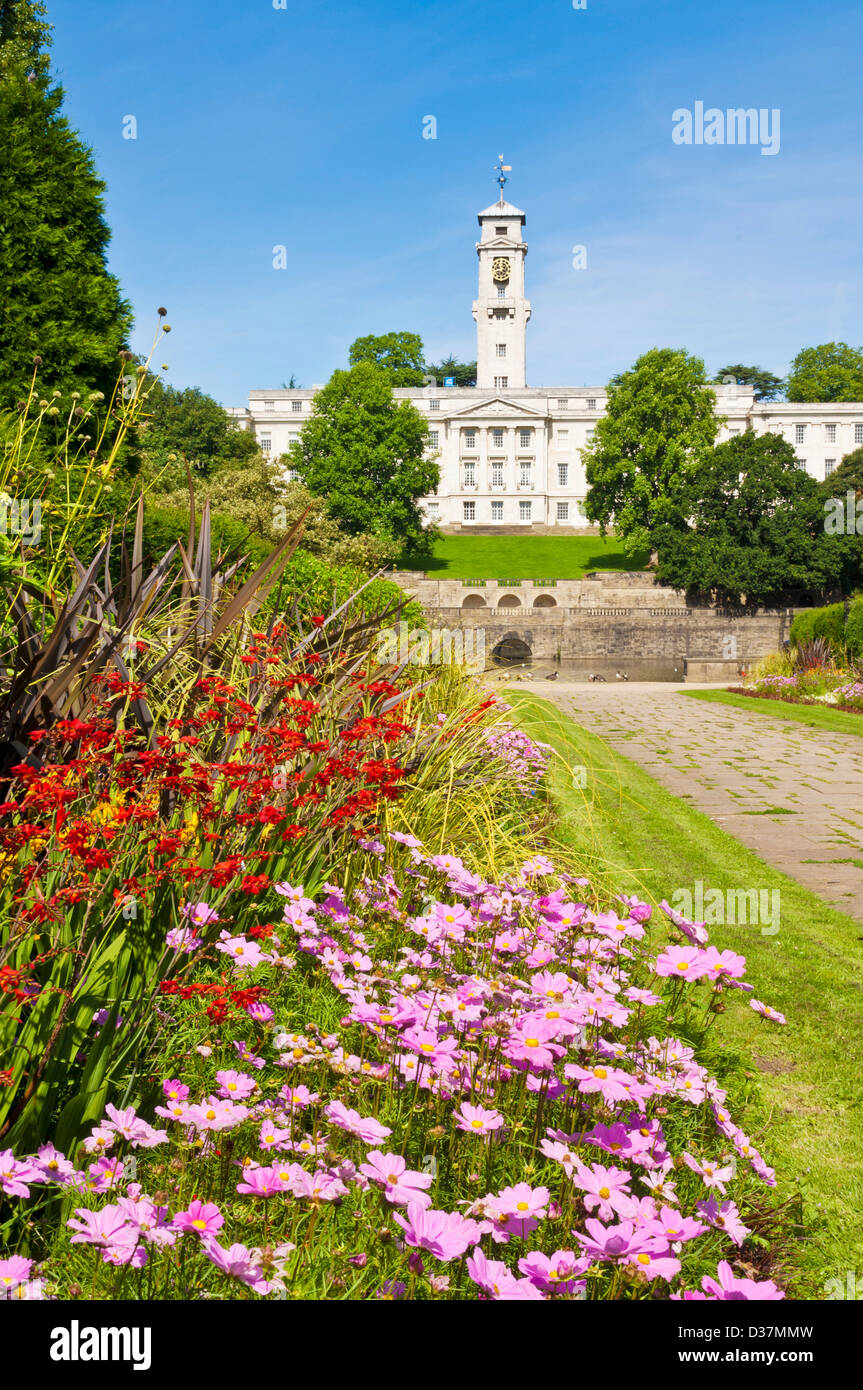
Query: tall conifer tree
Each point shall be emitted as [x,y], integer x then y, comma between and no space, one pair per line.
[58,300]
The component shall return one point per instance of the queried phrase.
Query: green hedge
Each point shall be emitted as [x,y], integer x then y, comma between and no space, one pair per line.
[854,629]
[830,624]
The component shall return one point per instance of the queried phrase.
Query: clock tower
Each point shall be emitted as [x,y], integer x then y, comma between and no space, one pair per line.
[501,310]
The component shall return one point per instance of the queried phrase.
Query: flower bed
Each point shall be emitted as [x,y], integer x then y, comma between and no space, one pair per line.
[431,1086]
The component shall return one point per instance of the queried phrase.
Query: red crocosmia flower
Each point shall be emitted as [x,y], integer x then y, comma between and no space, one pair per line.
[318,620]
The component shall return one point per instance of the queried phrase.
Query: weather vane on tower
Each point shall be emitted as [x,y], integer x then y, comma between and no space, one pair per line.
[502,170]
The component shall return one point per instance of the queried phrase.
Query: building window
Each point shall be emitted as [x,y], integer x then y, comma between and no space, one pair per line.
[591,402]
[293,475]
[858,434]
[562,474]
[296,405]
[799,434]
[497,475]
[501,291]
[497,511]
[563,435]
[293,439]
[524,511]
[501,313]
[801,463]
[269,405]
[500,349]
[524,475]
[500,231]
[829,465]
[831,434]
[497,438]
[470,475]
[433,508]
[524,439]
[733,429]
[501,381]
[589,435]
[563,511]
[434,405]
[266,443]
[563,405]
[470,439]
[469,511]
[434,438]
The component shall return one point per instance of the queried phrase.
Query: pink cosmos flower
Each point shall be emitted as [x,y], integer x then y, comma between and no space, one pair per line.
[54,1166]
[446,1235]
[475,1119]
[243,953]
[260,1012]
[237,1262]
[316,1187]
[367,1129]
[235,1085]
[711,1174]
[530,1043]
[261,1182]
[15,1176]
[608,1081]
[501,1285]
[199,1218]
[773,1015]
[183,939]
[728,1287]
[725,1218]
[215,1114]
[200,913]
[401,1184]
[681,963]
[271,1139]
[605,1189]
[14,1271]
[175,1090]
[672,1226]
[557,1273]
[724,963]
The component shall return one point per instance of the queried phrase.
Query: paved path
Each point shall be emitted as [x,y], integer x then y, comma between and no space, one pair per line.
[739,768]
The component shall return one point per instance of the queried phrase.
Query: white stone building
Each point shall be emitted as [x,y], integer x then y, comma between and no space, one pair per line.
[509,453]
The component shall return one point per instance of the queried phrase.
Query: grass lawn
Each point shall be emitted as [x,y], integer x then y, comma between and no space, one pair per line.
[806,1115]
[525,557]
[833,720]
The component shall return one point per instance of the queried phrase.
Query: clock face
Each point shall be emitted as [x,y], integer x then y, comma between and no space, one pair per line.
[500,269]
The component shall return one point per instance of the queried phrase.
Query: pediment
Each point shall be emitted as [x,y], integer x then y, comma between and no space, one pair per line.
[499,405]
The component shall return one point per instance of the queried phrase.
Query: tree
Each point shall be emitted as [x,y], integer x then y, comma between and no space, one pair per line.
[767,386]
[365,454]
[659,421]
[464,373]
[195,427]
[748,527]
[831,372]
[59,302]
[849,475]
[400,355]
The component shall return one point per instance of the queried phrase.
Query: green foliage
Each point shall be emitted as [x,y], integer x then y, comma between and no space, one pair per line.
[830,624]
[25,37]
[59,302]
[847,477]
[659,423]
[192,425]
[767,386]
[749,527]
[803,627]
[464,373]
[830,372]
[400,355]
[364,453]
[854,629]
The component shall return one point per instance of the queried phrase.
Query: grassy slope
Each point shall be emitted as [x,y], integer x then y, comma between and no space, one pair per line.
[526,557]
[811,1112]
[833,720]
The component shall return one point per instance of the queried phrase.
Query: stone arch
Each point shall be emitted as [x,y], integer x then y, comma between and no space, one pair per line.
[511,650]
[544,601]
[509,601]
[474,601]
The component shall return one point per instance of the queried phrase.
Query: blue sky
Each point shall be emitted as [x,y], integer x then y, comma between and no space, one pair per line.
[303,127]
